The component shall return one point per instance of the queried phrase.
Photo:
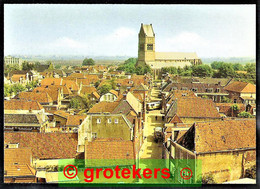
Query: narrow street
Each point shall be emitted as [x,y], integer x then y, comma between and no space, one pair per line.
[151,149]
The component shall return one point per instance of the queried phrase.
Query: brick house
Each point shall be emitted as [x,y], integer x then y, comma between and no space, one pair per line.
[18,166]
[191,109]
[225,148]
[242,92]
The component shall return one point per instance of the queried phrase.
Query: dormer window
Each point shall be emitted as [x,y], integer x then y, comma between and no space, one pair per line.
[184,94]
[210,90]
[131,82]
[194,89]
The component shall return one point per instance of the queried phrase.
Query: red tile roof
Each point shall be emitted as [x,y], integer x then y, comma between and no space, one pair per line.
[226,108]
[51,81]
[194,108]
[61,113]
[221,135]
[46,145]
[41,97]
[75,120]
[103,107]
[87,90]
[114,92]
[53,92]
[22,105]
[110,149]
[241,87]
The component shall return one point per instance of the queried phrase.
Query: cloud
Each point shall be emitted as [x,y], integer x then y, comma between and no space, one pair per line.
[67,43]
[121,33]
[185,41]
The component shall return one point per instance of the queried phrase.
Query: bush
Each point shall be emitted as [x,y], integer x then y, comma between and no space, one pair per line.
[234,107]
[245,114]
[226,100]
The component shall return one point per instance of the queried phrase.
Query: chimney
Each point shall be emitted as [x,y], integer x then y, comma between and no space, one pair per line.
[124,96]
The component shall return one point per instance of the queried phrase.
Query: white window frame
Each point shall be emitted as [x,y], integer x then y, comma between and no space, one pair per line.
[109,120]
[116,121]
[98,120]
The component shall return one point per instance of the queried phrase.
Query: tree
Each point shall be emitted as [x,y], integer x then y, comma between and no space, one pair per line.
[58,66]
[128,66]
[216,65]
[244,114]
[87,102]
[51,66]
[104,89]
[237,66]
[31,85]
[75,103]
[27,66]
[250,67]
[97,84]
[9,68]
[226,100]
[6,90]
[202,70]
[88,62]
[225,70]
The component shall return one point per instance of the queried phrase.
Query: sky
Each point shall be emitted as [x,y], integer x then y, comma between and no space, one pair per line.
[112,30]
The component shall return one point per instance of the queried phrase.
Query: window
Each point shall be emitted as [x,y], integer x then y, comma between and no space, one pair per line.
[210,90]
[98,120]
[116,120]
[217,90]
[150,47]
[194,89]
[235,100]
[94,135]
[109,120]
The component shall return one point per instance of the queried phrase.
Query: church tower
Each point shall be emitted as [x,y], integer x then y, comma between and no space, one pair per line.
[146,44]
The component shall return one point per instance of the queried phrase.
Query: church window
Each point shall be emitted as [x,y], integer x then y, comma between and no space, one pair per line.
[149,46]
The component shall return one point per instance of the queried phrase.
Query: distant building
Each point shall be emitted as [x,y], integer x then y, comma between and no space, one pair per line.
[10,60]
[158,60]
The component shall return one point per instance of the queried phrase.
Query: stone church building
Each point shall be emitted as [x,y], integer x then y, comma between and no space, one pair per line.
[158,60]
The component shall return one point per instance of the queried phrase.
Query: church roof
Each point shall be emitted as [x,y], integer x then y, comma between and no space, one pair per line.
[148,30]
[159,65]
[175,55]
